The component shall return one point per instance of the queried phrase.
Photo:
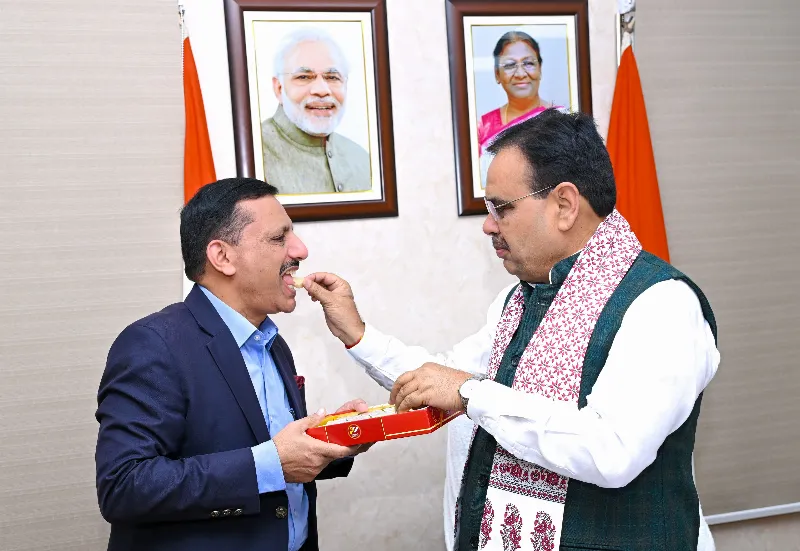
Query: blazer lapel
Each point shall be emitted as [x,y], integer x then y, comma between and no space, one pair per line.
[285,368]
[229,360]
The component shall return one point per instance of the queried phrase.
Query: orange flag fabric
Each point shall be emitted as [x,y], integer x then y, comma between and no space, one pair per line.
[631,151]
[198,162]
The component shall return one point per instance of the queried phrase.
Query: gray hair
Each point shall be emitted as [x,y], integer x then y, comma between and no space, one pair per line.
[308,34]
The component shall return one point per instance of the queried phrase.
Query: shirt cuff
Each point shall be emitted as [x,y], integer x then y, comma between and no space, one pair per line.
[371,346]
[373,353]
[269,472]
[479,400]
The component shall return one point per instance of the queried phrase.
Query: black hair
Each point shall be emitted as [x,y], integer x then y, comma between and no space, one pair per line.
[214,213]
[509,38]
[564,147]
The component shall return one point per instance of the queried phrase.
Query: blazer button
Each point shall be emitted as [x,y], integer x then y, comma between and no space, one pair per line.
[281,512]
[226,513]
[214,514]
[237,512]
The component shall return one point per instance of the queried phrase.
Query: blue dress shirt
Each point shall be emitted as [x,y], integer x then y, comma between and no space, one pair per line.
[255,344]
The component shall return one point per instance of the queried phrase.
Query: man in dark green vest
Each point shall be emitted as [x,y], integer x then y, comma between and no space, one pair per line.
[595,364]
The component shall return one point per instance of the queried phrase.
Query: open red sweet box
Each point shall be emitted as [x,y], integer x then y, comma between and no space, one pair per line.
[379,423]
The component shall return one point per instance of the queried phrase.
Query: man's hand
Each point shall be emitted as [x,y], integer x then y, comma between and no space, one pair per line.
[338,304]
[430,385]
[302,456]
[360,406]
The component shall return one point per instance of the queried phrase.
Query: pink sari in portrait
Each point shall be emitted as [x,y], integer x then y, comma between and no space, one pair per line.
[491,124]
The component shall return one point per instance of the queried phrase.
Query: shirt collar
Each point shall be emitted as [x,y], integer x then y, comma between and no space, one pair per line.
[239,326]
[292,133]
[559,272]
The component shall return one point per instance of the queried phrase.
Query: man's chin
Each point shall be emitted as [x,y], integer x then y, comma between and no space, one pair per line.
[319,125]
[287,305]
[318,130]
[511,267]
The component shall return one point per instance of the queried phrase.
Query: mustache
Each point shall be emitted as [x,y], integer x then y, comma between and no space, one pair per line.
[498,242]
[286,266]
[324,100]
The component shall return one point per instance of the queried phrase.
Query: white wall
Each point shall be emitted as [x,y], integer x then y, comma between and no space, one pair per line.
[426,276]
[724,131]
[91,161]
[90,185]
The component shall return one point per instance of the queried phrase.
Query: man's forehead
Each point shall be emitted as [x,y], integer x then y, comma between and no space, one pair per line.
[266,211]
[309,53]
[506,175]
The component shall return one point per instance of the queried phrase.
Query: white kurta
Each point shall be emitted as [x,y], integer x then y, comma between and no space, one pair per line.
[662,358]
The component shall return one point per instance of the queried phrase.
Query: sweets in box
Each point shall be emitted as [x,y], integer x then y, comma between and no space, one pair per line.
[379,423]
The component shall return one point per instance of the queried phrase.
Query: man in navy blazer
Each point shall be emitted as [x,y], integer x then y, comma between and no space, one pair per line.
[202,442]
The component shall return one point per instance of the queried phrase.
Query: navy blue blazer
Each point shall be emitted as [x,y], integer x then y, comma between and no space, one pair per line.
[178,416]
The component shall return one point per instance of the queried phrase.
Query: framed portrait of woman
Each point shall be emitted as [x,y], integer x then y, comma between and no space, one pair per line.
[509,61]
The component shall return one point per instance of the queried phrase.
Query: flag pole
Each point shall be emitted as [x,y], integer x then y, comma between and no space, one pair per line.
[182,23]
[626,20]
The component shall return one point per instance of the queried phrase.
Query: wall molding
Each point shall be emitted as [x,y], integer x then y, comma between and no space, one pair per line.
[751,514]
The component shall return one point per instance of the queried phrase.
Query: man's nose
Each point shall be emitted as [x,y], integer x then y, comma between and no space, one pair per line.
[297,249]
[319,87]
[490,225]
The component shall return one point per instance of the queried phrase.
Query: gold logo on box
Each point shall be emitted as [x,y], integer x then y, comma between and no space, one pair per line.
[354,431]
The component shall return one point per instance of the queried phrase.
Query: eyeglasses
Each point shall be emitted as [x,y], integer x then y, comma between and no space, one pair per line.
[494,210]
[529,66]
[334,79]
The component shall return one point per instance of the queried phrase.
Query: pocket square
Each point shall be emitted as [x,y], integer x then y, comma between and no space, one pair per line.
[300,380]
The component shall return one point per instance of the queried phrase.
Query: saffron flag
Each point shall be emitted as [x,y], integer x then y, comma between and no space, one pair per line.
[631,151]
[198,163]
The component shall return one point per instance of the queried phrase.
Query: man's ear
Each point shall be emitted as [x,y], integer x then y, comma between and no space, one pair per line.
[277,87]
[221,256]
[568,199]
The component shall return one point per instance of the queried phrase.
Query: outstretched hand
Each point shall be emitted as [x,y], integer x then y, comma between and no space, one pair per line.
[338,305]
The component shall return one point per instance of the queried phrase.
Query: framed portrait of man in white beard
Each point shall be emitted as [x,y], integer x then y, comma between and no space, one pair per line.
[310,94]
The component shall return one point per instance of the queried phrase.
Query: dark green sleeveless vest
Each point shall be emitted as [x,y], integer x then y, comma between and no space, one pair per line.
[659,509]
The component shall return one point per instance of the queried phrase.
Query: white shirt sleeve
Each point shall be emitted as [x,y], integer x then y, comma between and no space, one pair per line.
[385,358]
[662,358]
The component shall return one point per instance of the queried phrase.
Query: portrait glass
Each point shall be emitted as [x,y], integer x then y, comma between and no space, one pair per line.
[516,68]
[313,108]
